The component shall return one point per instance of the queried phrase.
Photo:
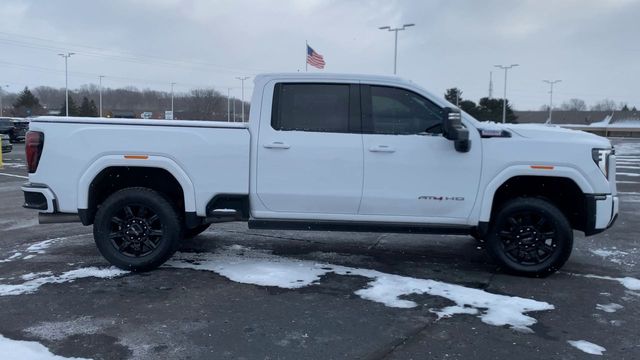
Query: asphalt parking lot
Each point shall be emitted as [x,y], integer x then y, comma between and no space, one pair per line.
[230,293]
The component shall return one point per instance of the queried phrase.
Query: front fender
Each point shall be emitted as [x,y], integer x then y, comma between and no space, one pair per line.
[528,170]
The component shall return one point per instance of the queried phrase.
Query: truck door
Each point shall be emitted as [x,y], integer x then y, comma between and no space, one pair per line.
[410,169]
[309,153]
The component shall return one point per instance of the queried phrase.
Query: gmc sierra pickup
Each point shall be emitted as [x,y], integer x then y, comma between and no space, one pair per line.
[325,152]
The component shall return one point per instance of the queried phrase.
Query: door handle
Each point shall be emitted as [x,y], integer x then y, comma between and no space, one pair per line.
[382,149]
[276,145]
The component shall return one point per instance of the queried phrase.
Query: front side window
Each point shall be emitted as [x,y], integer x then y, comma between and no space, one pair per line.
[402,112]
[311,107]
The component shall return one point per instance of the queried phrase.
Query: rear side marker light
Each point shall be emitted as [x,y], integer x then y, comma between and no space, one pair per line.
[542,167]
[136,157]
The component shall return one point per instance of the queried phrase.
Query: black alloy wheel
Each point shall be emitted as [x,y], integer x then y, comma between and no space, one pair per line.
[137,229]
[530,236]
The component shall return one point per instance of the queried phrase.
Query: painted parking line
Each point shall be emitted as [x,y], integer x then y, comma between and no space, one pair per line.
[13,175]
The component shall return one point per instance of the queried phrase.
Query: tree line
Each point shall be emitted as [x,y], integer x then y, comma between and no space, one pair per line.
[196,104]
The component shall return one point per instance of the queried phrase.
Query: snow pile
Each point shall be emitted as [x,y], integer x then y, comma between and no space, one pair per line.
[26,350]
[262,268]
[588,347]
[610,308]
[34,282]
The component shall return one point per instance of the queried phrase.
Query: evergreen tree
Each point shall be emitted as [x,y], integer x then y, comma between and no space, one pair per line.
[453,95]
[491,110]
[87,108]
[27,104]
[73,108]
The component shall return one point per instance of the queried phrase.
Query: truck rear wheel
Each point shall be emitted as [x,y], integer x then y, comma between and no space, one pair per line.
[137,229]
[530,237]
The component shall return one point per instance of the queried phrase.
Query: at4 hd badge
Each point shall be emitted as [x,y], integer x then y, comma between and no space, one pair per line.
[441,198]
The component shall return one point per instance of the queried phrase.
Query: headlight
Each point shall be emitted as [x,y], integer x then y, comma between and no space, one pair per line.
[601,158]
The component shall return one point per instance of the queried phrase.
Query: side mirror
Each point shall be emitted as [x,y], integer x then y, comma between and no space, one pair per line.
[452,129]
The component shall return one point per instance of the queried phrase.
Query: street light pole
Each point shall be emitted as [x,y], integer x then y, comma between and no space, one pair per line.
[551,82]
[101,76]
[242,79]
[172,116]
[395,46]
[504,99]
[1,89]
[66,80]
[228,104]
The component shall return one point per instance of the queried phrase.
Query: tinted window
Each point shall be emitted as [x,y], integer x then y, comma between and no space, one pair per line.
[311,107]
[402,112]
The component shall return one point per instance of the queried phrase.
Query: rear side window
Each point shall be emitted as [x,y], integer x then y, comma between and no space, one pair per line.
[311,107]
[402,112]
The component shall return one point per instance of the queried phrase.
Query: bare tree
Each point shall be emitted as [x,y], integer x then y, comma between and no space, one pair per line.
[574,104]
[605,105]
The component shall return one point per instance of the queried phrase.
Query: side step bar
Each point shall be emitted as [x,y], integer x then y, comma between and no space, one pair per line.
[444,229]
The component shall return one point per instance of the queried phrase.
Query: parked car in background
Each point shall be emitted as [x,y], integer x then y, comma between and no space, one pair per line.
[20,128]
[6,143]
[6,126]
[16,128]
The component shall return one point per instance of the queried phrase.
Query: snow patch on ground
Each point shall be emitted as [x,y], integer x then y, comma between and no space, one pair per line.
[588,347]
[41,246]
[250,266]
[11,258]
[32,285]
[628,282]
[26,350]
[614,255]
[58,330]
[609,308]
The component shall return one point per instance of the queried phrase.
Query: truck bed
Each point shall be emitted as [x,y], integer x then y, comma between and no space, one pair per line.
[206,157]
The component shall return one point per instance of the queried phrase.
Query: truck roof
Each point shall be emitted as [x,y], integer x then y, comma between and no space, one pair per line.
[333,76]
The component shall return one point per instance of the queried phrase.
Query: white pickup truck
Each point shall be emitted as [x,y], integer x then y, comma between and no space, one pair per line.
[325,152]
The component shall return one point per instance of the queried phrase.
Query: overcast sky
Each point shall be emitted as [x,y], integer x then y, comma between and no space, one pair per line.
[592,45]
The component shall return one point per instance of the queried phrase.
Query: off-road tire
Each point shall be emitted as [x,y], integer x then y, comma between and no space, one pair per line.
[530,237]
[151,235]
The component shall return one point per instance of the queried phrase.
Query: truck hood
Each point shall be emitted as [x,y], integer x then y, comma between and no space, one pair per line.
[553,133]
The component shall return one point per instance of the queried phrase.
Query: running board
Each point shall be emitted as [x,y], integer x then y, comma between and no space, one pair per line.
[352,226]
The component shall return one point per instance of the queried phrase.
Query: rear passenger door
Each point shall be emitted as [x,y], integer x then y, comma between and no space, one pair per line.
[310,158]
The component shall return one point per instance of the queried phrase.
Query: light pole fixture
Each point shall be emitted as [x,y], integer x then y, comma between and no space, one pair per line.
[1,89]
[504,99]
[551,83]
[242,79]
[66,80]
[395,47]
[100,77]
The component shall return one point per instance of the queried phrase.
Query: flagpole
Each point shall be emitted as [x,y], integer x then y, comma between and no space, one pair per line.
[306,49]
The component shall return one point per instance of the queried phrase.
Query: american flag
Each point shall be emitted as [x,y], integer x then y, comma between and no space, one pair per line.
[314,59]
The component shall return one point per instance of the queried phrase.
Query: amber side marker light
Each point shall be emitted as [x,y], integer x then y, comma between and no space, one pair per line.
[136,157]
[542,167]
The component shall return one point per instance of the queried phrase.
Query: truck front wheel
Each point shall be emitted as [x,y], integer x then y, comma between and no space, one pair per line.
[137,229]
[530,237]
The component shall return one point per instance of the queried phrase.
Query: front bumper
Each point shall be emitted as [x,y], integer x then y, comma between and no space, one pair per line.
[39,197]
[602,212]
